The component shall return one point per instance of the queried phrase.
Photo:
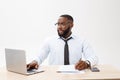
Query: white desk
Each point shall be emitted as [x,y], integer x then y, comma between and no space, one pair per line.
[106,72]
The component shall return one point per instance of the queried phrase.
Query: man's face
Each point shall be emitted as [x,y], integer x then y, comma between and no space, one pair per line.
[63,26]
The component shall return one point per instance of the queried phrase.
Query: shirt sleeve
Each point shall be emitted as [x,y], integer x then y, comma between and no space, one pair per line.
[43,52]
[89,54]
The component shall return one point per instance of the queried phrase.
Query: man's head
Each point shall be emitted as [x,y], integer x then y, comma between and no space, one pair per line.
[64,25]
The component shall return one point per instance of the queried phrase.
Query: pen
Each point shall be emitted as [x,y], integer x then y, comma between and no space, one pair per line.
[80,59]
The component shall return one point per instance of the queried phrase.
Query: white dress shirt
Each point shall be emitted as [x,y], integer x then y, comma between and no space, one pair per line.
[54,47]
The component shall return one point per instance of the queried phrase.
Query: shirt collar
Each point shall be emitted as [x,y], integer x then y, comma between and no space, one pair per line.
[72,35]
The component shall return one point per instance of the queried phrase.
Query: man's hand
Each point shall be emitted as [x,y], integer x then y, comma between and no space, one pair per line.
[82,65]
[32,65]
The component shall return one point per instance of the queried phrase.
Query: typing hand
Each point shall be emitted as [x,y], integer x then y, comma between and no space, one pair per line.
[32,65]
[81,65]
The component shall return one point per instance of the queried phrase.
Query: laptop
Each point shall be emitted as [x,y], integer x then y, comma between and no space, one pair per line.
[16,62]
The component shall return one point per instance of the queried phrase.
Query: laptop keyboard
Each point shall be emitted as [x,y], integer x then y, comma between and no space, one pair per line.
[34,70]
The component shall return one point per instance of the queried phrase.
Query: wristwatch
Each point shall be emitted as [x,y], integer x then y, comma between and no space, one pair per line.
[88,64]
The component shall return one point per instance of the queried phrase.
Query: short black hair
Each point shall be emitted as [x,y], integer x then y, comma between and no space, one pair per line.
[68,17]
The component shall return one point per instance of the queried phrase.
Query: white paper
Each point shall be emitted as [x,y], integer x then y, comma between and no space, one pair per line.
[69,69]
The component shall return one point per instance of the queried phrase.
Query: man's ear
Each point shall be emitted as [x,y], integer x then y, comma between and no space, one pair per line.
[71,25]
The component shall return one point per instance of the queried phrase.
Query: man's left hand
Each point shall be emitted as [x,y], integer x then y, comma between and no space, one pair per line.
[81,65]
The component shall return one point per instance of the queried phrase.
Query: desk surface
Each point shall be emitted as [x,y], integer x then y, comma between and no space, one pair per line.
[106,72]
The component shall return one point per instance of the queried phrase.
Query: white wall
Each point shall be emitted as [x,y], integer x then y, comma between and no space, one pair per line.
[24,24]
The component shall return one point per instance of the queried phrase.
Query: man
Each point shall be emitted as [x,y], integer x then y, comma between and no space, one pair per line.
[66,48]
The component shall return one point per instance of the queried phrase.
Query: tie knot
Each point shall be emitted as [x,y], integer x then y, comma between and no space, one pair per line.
[67,39]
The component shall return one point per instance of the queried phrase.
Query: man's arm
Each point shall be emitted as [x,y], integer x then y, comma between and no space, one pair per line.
[89,54]
[44,50]
[90,58]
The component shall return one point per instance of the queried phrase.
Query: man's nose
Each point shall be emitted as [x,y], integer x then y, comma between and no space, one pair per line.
[59,26]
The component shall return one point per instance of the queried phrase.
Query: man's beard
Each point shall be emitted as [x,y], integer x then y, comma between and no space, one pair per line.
[65,33]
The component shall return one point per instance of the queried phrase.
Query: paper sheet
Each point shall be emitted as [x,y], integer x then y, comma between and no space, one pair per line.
[69,69]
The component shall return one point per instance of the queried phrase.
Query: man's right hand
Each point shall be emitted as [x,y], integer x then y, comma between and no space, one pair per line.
[32,65]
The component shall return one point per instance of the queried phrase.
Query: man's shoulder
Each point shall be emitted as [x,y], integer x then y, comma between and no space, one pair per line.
[77,37]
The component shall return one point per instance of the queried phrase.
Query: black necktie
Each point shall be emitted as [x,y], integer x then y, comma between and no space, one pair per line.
[66,52]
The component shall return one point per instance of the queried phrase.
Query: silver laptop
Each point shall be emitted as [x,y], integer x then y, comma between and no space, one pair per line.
[16,62]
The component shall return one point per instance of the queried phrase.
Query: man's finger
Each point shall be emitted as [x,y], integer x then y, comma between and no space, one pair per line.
[80,67]
[76,65]
[28,66]
[79,64]
[36,66]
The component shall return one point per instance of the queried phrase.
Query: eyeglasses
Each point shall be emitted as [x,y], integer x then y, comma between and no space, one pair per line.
[61,24]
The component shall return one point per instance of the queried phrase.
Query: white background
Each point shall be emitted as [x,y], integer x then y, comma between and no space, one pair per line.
[25,24]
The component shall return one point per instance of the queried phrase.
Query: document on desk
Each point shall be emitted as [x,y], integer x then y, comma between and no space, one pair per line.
[69,69]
